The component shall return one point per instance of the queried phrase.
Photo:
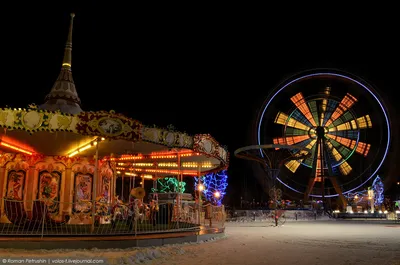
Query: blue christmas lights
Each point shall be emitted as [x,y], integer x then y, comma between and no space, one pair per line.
[214,186]
[377,187]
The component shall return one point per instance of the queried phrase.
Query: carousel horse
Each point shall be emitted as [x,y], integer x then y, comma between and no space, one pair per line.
[101,208]
[119,210]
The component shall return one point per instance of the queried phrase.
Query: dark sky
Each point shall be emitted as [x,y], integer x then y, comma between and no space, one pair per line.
[204,70]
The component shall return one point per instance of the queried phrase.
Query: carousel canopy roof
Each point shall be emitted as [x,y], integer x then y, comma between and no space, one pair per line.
[59,127]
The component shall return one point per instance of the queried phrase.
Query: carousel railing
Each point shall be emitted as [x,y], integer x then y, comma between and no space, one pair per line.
[52,218]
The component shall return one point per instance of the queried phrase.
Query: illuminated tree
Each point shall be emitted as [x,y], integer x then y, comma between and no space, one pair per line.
[214,186]
[378,188]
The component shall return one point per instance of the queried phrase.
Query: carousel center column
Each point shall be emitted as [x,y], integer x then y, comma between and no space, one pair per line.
[68,190]
[30,187]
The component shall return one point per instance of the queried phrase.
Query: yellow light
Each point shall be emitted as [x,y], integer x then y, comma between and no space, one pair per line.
[141,183]
[200,187]
[118,172]
[147,176]
[84,148]
[217,194]
[73,153]
[66,64]
[102,138]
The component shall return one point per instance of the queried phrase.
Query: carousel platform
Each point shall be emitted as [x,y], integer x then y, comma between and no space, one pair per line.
[110,241]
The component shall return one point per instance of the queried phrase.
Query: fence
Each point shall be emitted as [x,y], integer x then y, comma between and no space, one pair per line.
[265,215]
[52,218]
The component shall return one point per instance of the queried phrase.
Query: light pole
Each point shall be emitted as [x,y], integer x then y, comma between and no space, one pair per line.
[200,189]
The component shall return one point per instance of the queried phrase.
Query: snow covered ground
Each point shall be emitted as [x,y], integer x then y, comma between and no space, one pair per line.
[323,242]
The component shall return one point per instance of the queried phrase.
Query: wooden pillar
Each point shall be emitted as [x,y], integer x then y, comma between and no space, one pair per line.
[30,189]
[3,186]
[68,191]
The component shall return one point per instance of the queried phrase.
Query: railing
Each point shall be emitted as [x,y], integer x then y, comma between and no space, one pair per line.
[52,218]
[265,215]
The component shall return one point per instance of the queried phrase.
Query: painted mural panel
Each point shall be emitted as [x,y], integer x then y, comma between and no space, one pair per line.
[15,185]
[105,187]
[49,189]
[83,192]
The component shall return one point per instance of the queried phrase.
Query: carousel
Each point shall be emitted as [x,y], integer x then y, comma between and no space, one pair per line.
[63,158]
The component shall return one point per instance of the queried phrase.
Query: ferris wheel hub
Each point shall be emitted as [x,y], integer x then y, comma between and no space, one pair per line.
[320,130]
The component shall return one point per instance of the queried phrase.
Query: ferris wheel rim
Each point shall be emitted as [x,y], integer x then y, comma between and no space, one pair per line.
[333,73]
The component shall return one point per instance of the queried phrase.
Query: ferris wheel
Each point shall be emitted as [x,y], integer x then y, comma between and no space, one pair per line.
[340,119]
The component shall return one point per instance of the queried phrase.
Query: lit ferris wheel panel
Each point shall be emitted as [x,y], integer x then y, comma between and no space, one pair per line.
[331,115]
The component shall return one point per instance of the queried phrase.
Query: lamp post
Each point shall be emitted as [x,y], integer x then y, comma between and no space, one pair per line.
[200,188]
[94,190]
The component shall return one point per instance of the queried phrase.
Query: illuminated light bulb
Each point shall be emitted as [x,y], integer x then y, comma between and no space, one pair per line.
[217,194]
[102,138]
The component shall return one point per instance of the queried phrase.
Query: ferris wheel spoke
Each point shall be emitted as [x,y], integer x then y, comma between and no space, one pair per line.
[331,105]
[301,104]
[360,147]
[346,103]
[324,105]
[291,140]
[294,164]
[351,134]
[344,167]
[284,119]
[363,122]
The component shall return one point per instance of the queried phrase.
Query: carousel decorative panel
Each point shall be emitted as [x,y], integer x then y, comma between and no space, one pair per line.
[49,189]
[15,184]
[83,185]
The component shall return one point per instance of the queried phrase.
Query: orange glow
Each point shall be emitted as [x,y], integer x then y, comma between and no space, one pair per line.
[301,104]
[344,141]
[290,140]
[363,148]
[346,103]
[162,171]
[318,171]
[16,148]
[157,155]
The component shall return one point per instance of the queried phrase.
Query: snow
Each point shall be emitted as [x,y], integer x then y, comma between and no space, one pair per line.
[323,242]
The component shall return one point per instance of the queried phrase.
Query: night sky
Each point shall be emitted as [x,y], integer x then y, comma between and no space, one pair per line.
[203,72]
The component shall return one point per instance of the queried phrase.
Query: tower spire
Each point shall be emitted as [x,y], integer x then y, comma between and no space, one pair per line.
[67,62]
[63,95]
